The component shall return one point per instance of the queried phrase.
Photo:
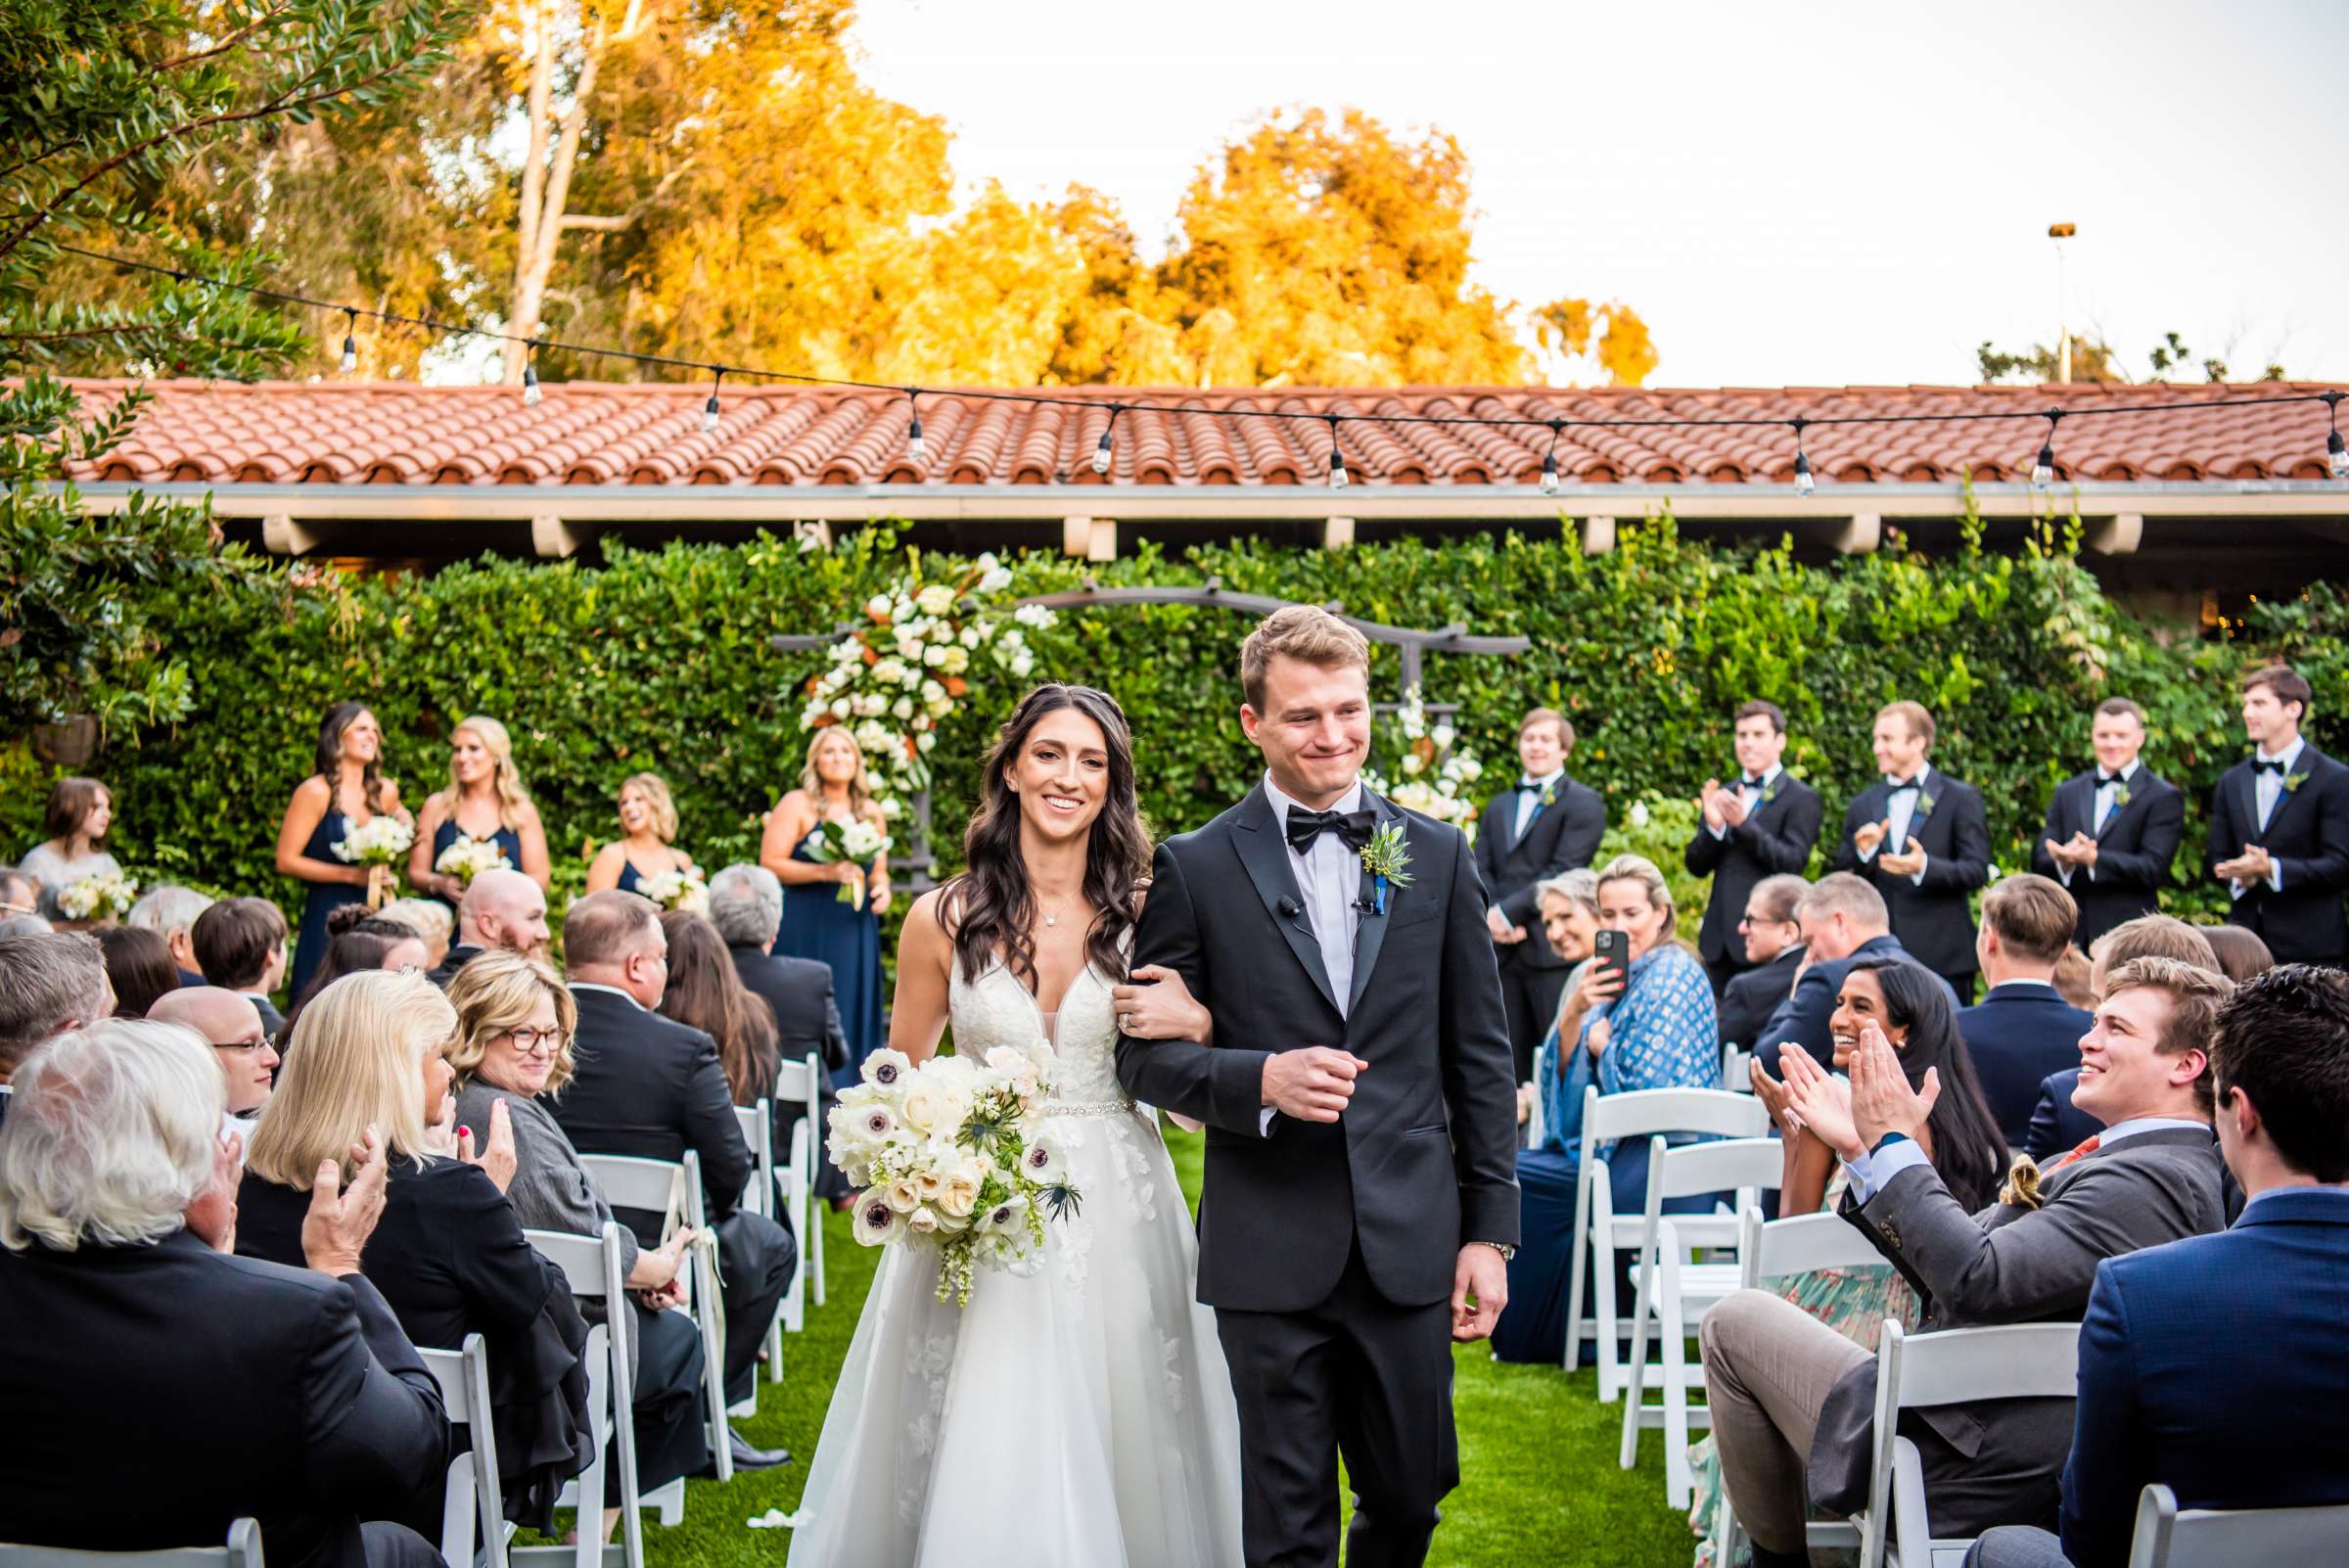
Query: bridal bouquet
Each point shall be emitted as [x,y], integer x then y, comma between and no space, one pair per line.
[676,889]
[468,857]
[953,1155]
[858,843]
[377,845]
[107,895]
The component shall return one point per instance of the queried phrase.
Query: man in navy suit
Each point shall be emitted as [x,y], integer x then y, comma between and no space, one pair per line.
[1921,838]
[2022,1030]
[1842,920]
[2279,828]
[1544,827]
[2219,1366]
[2113,831]
[1762,824]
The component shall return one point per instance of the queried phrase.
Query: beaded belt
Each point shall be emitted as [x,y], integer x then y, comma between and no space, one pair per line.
[1089,1107]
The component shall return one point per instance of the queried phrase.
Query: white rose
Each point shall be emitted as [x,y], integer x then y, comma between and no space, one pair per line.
[1639,813]
[890,672]
[841,708]
[922,1222]
[1007,1059]
[936,600]
[1023,665]
[928,1107]
[933,692]
[1471,769]
[1412,767]
[930,1184]
[1014,638]
[961,1195]
[877,606]
[1444,737]
[903,708]
[934,655]
[901,1196]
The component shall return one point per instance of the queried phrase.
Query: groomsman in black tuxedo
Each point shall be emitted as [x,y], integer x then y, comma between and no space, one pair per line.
[1545,826]
[2113,831]
[2279,828]
[1921,838]
[1762,824]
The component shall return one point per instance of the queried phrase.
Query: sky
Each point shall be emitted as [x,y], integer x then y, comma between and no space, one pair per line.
[1801,194]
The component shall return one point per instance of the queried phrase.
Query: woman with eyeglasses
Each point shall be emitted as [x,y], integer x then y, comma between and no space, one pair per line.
[515,1022]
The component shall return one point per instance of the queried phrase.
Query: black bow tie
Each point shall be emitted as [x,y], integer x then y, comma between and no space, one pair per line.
[1749,783]
[1530,786]
[2267,765]
[2103,777]
[1353,827]
[1899,785]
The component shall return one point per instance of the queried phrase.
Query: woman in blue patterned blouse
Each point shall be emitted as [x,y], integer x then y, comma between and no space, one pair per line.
[1652,1028]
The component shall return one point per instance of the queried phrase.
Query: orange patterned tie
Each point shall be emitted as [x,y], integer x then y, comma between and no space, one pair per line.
[2088,1147]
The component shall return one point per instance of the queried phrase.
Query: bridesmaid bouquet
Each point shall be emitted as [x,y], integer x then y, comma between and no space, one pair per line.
[107,895]
[377,844]
[676,889]
[858,843]
[468,857]
[952,1155]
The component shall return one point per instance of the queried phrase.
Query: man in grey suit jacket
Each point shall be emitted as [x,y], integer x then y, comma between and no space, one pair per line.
[1793,1400]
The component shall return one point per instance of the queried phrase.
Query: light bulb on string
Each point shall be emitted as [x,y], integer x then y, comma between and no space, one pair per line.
[350,342]
[531,397]
[1103,453]
[2043,471]
[916,448]
[1804,484]
[2337,450]
[1550,459]
[710,408]
[1337,458]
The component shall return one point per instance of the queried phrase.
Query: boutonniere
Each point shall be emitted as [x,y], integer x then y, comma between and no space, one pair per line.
[2120,797]
[1388,860]
[1770,791]
[2293,781]
[1549,795]
[1925,803]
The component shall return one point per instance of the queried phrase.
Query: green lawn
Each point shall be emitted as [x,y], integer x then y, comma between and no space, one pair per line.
[1539,1486]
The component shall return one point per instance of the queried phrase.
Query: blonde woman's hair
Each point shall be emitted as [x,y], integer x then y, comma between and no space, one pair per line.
[654,790]
[498,991]
[429,918]
[1640,869]
[860,788]
[355,1060]
[504,776]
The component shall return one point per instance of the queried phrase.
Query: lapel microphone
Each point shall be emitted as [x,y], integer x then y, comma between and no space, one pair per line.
[1289,909]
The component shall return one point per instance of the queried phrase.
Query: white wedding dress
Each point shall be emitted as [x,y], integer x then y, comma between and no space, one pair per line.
[1078,1418]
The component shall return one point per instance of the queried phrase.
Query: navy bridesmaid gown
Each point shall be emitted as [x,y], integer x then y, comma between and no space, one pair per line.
[817,925]
[508,841]
[324,898]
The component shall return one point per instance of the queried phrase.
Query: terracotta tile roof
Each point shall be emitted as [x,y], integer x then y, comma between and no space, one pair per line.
[592,433]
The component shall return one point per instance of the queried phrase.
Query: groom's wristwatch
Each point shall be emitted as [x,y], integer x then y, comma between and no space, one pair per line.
[1506,1251]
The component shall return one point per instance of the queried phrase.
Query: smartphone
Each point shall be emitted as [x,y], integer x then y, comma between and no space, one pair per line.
[1612,950]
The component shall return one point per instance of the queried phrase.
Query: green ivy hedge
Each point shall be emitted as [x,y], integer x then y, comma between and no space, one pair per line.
[659,658]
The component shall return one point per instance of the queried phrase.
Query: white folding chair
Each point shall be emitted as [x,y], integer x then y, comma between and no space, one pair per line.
[1737,1068]
[1674,1293]
[591,1264]
[1956,1366]
[1536,1128]
[801,1081]
[242,1551]
[1774,1250]
[1598,1232]
[472,1511]
[675,1191]
[2167,1537]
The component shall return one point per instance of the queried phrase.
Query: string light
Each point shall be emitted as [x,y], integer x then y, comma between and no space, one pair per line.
[1101,449]
[1337,458]
[710,408]
[530,394]
[2337,450]
[350,342]
[1550,459]
[915,447]
[1804,484]
[2042,472]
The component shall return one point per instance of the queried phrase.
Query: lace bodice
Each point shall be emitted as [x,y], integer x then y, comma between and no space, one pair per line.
[995,1009]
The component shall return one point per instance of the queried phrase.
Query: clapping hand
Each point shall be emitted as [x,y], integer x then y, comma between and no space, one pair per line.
[2078,849]
[2253,865]
[1822,1102]
[1881,1099]
[1713,805]
[1733,806]
[1905,864]
[1867,835]
[342,1217]
[497,1159]
[1774,1099]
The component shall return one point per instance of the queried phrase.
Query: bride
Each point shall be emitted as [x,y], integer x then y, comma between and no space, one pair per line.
[1081,1417]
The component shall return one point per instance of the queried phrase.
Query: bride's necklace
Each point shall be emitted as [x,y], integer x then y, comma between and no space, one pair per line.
[1053,916]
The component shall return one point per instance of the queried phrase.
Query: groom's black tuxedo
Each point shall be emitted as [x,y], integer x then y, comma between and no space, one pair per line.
[1329,1249]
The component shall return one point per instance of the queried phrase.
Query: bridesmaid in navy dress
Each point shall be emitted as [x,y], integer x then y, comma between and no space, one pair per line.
[348,789]
[484,800]
[647,845]
[833,787]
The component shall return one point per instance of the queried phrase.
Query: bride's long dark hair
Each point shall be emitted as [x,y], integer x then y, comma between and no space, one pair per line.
[990,907]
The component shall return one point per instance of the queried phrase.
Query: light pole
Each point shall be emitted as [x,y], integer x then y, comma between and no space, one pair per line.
[2061,232]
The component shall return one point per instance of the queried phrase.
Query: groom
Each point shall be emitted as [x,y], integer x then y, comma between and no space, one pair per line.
[1361,1198]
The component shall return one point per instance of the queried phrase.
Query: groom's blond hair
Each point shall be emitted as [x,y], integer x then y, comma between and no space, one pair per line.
[1305,632]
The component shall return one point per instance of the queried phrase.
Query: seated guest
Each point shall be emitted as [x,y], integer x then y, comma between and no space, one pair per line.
[357,943]
[138,965]
[2022,1030]
[2056,1125]
[78,813]
[652,1089]
[449,1257]
[20,895]
[241,946]
[25,925]
[502,909]
[1793,1400]
[746,905]
[1843,918]
[49,983]
[515,1022]
[170,913]
[247,1060]
[176,1390]
[1650,1028]
[2239,951]
[1774,957]
[2070,979]
[433,922]
[647,845]
[2230,1394]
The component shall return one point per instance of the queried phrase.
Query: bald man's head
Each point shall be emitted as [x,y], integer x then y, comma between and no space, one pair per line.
[230,1022]
[504,909]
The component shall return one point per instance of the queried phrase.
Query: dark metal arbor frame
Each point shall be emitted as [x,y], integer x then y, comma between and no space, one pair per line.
[1412,646]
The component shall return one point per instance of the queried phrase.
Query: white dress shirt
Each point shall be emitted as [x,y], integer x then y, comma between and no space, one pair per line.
[1749,795]
[1330,878]
[2267,793]
[1530,801]
[1900,813]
